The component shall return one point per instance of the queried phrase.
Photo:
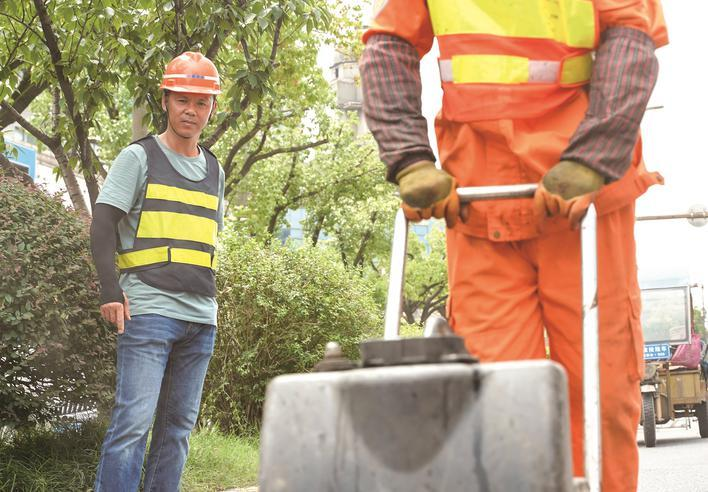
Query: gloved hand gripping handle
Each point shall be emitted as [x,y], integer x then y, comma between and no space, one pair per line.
[591,372]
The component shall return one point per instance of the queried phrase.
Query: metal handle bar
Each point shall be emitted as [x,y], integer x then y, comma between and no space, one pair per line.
[591,372]
[689,215]
[476,193]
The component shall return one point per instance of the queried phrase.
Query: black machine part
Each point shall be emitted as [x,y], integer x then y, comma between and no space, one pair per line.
[438,345]
[416,350]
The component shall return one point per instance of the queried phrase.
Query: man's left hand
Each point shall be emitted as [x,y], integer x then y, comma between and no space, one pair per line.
[567,190]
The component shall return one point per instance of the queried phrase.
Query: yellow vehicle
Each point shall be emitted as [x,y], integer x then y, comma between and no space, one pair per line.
[670,390]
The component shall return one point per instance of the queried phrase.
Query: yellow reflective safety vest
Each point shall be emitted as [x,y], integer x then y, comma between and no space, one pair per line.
[512,58]
[174,246]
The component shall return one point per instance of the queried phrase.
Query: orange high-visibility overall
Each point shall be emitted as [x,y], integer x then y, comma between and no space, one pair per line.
[509,279]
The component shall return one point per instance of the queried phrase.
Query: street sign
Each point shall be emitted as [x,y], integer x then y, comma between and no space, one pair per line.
[657,351]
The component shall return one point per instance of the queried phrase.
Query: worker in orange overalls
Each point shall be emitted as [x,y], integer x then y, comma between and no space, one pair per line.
[549,91]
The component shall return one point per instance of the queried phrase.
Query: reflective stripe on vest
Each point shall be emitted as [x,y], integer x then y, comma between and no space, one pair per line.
[504,69]
[174,194]
[568,22]
[165,254]
[172,225]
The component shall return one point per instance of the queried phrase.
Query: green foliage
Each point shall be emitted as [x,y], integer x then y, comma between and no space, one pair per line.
[340,185]
[278,307]
[218,461]
[347,21]
[54,346]
[65,460]
[51,460]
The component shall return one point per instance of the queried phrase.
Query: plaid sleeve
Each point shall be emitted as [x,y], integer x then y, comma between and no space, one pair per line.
[390,76]
[623,79]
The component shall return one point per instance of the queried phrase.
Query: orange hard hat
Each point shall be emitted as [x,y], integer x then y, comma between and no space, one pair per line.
[191,72]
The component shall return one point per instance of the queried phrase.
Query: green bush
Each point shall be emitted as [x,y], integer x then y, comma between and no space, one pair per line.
[53,345]
[278,307]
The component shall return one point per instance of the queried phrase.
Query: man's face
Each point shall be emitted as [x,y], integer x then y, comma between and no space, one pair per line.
[187,112]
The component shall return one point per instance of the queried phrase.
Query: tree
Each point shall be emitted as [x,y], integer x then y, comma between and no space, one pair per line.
[87,50]
[426,290]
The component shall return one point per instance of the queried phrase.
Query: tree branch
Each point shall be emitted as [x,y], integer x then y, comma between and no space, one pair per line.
[67,172]
[220,130]
[276,40]
[284,206]
[33,130]
[359,258]
[216,42]
[21,21]
[255,157]
[22,96]
[180,28]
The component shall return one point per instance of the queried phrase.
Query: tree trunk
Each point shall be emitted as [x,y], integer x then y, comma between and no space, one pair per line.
[139,129]
[315,236]
[67,173]
[70,181]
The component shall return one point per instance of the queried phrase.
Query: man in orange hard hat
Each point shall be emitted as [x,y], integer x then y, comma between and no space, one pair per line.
[533,91]
[160,210]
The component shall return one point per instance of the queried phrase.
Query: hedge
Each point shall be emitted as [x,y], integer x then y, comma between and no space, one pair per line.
[54,348]
[278,307]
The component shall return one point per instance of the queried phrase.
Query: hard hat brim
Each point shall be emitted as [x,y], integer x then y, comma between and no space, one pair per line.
[193,90]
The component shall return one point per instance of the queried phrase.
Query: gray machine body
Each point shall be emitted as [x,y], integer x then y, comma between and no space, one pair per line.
[428,427]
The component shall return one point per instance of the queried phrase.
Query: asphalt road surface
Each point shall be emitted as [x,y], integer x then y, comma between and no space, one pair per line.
[678,463]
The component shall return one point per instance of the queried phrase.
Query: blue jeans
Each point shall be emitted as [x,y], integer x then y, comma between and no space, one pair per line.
[160,371]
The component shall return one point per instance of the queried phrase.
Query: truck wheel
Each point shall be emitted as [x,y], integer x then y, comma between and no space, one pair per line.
[649,424]
[702,414]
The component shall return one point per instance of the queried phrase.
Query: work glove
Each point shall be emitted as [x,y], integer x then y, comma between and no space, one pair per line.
[427,191]
[567,189]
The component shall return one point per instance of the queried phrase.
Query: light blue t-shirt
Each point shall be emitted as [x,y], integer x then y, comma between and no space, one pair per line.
[124,189]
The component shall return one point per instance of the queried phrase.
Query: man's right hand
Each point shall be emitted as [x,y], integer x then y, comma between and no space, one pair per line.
[427,192]
[567,190]
[116,313]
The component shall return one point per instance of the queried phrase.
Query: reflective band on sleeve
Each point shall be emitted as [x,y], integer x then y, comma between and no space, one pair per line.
[171,225]
[214,262]
[143,257]
[502,69]
[576,70]
[174,194]
[190,257]
[570,22]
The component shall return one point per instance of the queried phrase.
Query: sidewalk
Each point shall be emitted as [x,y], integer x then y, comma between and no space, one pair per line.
[248,489]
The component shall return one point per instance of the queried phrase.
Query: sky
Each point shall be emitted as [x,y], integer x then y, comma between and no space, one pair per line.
[674,144]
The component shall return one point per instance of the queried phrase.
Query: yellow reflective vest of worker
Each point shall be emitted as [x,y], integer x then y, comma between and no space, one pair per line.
[174,246]
[512,58]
